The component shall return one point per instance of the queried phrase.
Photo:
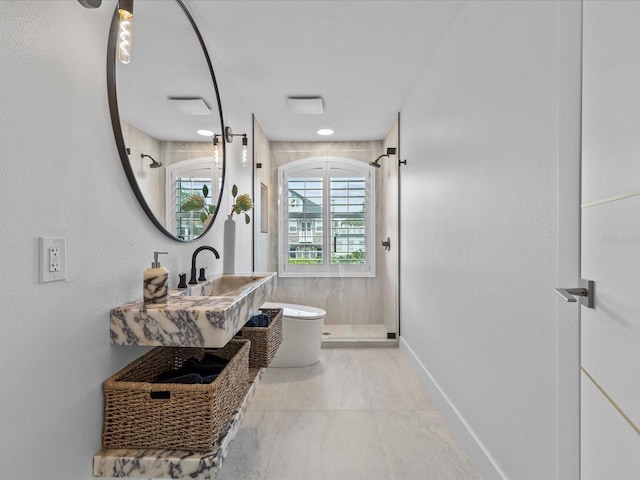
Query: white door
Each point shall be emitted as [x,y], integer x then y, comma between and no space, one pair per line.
[610,332]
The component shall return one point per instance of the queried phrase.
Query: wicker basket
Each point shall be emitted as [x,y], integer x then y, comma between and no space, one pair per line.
[264,340]
[143,415]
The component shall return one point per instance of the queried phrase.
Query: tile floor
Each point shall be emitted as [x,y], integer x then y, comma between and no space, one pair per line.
[357,414]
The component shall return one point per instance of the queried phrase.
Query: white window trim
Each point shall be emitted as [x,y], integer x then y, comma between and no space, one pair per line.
[176,169]
[326,269]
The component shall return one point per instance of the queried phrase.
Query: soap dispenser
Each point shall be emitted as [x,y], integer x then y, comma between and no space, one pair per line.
[156,282]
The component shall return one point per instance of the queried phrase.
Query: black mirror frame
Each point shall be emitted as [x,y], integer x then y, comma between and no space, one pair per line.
[117,127]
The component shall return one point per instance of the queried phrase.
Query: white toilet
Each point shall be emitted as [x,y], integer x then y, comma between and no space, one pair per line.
[301,335]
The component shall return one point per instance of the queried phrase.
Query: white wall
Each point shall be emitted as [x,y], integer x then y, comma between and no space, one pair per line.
[479,233]
[61,176]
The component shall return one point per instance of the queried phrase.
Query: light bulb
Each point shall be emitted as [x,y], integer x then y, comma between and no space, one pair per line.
[244,151]
[124,31]
[216,152]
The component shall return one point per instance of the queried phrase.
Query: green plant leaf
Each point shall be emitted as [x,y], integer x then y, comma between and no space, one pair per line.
[189,206]
[234,190]
[246,218]
[212,209]
[205,191]
[194,202]
[237,209]
[203,217]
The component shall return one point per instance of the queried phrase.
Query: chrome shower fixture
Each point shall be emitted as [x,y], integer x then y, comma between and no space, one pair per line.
[390,151]
[153,163]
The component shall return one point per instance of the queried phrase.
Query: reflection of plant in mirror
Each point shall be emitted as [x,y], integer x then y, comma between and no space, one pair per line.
[243,203]
[198,202]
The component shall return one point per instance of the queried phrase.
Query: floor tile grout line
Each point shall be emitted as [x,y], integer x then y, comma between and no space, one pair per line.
[273,447]
[364,379]
[383,445]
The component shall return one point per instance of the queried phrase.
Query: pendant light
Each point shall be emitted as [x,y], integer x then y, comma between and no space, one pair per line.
[125,8]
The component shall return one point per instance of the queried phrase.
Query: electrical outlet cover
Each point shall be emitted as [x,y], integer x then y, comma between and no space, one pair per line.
[49,273]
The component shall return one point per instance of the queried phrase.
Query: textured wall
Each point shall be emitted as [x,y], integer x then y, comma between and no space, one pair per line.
[61,176]
[479,228]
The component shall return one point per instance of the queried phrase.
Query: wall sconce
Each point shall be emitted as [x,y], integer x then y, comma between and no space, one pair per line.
[244,151]
[125,8]
[216,150]
[228,136]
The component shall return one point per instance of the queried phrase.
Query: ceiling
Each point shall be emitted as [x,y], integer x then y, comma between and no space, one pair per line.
[362,57]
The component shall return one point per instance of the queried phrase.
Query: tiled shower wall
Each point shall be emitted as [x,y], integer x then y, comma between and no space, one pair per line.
[353,301]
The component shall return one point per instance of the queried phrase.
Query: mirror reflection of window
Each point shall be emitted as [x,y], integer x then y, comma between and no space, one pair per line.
[185,179]
[188,224]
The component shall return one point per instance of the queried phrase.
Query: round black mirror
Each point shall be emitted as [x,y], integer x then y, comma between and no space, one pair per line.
[167,118]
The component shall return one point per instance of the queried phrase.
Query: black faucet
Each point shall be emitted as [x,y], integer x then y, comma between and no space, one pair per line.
[193,280]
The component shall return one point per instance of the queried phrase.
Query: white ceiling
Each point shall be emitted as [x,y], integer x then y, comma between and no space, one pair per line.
[362,57]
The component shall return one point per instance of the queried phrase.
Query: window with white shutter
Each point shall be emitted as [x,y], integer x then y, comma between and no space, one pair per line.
[326,211]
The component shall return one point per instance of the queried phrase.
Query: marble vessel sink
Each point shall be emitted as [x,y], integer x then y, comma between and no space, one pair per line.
[224,285]
[205,315]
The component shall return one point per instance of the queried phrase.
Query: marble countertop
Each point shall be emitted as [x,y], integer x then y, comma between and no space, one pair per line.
[191,318]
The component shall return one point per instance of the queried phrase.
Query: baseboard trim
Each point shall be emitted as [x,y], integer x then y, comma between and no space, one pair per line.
[480,456]
[359,343]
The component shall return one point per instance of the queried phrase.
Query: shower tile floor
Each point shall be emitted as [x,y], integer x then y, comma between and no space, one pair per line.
[353,332]
[360,413]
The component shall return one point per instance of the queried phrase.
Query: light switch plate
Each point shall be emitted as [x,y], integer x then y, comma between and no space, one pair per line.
[53,259]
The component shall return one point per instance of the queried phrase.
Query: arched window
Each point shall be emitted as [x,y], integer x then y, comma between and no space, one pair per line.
[186,178]
[326,218]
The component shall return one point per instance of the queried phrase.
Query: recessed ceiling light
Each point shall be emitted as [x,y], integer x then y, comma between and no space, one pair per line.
[325,131]
[205,133]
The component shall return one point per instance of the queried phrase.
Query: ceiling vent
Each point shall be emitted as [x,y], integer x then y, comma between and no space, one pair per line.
[305,105]
[191,105]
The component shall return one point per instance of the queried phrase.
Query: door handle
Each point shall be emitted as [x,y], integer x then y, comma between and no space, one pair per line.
[585,293]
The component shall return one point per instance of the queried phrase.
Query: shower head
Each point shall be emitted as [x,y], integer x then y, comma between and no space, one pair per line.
[153,163]
[375,162]
[390,151]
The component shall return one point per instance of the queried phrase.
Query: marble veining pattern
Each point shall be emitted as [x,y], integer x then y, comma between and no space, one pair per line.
[191,318]
[173,463]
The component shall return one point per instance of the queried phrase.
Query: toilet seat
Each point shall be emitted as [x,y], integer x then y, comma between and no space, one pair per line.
[298,312]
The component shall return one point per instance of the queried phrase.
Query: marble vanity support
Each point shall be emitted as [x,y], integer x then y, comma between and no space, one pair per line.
[190,321]
[172,463]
